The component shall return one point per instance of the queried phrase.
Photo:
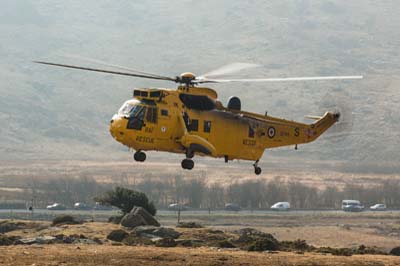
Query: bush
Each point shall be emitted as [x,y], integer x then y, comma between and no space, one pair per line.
[125,199]
[189,225]
[395,251]
[65,219]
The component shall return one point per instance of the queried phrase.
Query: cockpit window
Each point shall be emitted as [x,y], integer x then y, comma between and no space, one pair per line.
[138,112]
[125,109]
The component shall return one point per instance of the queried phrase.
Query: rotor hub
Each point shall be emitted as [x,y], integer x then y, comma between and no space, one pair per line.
[186,78]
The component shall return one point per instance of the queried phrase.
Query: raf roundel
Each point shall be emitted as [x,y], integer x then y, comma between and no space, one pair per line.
[271,132]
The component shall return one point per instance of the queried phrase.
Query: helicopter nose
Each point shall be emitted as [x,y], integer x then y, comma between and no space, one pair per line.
[116,129]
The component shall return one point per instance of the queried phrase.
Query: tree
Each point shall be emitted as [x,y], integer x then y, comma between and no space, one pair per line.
[125,199]
[194,192]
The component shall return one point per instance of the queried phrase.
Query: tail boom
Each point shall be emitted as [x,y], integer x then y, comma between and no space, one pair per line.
[293,133]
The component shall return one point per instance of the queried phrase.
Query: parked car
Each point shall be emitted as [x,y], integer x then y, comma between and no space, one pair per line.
[281,206]
[56,207]
[352,206]
[81,206]
[232,207]
[378,207]
[177,207]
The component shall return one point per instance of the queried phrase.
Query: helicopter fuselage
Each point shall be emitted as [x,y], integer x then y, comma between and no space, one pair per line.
[191,120]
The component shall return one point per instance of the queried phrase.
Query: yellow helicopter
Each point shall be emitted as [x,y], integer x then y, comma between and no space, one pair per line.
[192,121]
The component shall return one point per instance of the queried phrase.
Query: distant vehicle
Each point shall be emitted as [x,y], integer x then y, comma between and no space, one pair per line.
[352,206]
[177,207]
[232,207]
[81,206]
[378,207]
[56,207]
[281,206]
[99,207]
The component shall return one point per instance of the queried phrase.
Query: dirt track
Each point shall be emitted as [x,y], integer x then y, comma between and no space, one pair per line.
[123,255]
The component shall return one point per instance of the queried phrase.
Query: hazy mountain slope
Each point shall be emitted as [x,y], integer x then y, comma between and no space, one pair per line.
[53,113]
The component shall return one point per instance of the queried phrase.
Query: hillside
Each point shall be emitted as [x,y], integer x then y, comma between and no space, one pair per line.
[49,113]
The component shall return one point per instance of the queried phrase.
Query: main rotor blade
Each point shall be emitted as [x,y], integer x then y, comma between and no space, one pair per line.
[135,71]
[228,69]
[206,80]
[107,71]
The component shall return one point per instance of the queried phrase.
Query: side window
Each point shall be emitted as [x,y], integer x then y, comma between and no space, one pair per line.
[207,126]
[251,132]
[194,125]
[164,112]
[151,115]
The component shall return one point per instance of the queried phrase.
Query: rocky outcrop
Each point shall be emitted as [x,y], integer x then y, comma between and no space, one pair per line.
[137,217]
[117,235]
[162,232]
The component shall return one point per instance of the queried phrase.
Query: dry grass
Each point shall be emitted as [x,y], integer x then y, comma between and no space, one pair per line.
[123,255]
[16,175]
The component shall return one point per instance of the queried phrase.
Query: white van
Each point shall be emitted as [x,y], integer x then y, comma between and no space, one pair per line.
[352,206]
[281,206]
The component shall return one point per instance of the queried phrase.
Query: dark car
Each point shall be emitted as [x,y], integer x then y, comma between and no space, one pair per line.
[232,207]
[177,207]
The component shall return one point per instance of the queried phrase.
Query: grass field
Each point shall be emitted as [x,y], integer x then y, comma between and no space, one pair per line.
[122,255]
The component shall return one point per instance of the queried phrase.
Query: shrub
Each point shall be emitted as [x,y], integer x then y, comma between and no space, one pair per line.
[125,199]
[65,219]
[395,251]
[189,225]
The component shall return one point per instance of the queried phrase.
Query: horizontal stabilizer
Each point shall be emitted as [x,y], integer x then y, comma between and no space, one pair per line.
[313,117]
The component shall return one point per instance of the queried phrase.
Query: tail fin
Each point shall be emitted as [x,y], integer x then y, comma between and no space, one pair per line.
[315,129]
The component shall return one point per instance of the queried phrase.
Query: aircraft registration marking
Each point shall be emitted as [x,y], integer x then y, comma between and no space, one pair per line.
[249,142]
[144,139]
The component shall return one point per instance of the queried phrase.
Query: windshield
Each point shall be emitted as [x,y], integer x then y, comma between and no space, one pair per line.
[125,108]
[132,109]
[137,111]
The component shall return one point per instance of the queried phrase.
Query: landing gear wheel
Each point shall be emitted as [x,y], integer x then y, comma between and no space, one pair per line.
[257,170]
[189,154]
[139,156]
[187,164]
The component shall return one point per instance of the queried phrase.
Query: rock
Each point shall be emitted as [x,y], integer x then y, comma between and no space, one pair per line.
[263,244]
[97,240]
[189,225]
[253,240]
[395,251]
[8,240]
[37,240]
[297,245]
[138,216]
[133,240]
[8,226]
[165,242]
[184,242]
[117,235]
[151,237]
[115,219]
[163,232]
[335,251]
[85,241]
[189,242]
[225,244]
